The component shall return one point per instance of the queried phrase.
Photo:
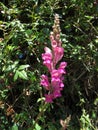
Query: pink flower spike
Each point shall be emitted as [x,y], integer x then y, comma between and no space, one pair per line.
[54,83]
[49,98]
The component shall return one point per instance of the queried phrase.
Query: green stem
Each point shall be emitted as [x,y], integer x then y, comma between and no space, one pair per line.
[39,115]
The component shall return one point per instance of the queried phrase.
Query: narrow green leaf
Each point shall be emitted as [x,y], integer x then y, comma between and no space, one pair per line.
[22,67]
[16,75]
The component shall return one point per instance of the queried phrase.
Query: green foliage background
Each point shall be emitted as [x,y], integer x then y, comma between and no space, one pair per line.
[25,26]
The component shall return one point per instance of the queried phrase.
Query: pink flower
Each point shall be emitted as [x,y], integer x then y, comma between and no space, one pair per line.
[61,68]
[46,56]
[58,37]
[62,65]
[55,74]
[58,54]
[45,82]
[56,93]
[48,64]
[51,37]
[57,83]
[48,50]
[49,98]
[54,43]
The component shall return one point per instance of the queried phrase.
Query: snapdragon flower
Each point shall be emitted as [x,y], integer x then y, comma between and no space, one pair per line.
[54,83]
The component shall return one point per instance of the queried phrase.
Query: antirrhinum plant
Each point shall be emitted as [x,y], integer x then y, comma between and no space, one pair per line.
[51,59]
[53,84]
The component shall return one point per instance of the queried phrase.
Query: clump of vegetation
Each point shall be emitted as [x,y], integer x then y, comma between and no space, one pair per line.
[25,28]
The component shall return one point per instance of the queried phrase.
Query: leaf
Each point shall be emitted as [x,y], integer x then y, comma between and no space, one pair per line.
[41,99]
[22,74]
[14,127]
[2,5]
[22,67]
[16,76]
[37,127]
[11,67]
